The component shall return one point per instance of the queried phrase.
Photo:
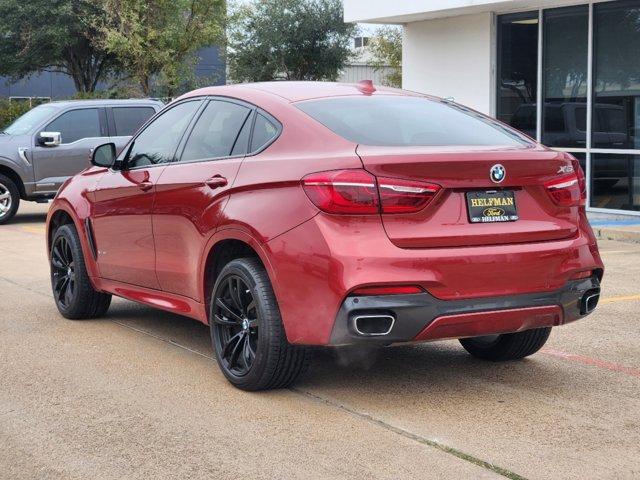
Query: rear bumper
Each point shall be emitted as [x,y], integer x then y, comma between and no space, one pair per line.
[422,317]
[316,265]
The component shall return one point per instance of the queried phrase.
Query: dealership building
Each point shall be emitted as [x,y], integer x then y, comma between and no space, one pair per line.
[565,72]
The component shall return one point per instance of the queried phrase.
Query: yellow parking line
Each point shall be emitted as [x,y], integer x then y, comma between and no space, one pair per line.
[623,298]
[34,229]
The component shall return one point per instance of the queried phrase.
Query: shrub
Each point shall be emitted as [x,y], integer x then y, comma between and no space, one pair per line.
[9,111]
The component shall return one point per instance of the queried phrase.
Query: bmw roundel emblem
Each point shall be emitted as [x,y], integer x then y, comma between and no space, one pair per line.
[497,173]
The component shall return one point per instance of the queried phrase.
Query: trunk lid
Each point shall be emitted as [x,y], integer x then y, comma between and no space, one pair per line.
[458,170]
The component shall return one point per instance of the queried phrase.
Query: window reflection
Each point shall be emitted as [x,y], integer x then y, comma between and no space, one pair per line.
[616,112]
[566,32]
[615,181]
[517,71]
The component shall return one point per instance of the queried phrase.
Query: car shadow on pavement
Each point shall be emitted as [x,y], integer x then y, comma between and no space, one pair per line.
[437,368]
[28,219]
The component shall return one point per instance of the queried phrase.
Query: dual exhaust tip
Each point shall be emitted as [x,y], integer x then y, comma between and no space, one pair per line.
[381,324]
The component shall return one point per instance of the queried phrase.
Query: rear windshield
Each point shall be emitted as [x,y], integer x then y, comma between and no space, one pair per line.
[408,121]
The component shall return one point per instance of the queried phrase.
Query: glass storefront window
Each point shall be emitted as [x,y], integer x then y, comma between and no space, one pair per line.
[565,60]
[615,181]
[616,105]
[517,70]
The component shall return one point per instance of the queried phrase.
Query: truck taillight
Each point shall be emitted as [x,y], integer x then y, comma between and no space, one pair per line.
[357,192]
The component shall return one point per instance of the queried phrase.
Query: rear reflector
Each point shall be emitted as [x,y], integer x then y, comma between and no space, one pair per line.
[581,275]
[357,192]
[388,290]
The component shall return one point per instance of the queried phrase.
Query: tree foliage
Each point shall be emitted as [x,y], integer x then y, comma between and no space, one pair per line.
[386,51]
[54,35]
[288,39]
[156,37]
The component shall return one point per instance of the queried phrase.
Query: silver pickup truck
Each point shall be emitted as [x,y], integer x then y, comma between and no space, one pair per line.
[53,141]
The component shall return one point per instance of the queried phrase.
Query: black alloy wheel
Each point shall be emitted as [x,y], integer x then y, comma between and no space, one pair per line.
[73,291]
[247,334]
[63,272]
[235,319]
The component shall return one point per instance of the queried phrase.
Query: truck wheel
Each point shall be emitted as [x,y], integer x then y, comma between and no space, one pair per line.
[9,199]
[73,292]
[247,333]
[508,346]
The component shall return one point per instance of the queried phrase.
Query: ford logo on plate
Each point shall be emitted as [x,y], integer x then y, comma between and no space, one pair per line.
[497,173]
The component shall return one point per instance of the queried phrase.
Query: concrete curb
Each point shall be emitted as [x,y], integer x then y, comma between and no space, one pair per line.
[608,233]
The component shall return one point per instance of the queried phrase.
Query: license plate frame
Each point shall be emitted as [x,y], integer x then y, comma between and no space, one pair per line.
[491,206]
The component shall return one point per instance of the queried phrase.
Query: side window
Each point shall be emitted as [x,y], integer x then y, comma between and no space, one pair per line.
[76,125]
[129,119]
[157,143]
[263,132]
[216,131]
[242,142]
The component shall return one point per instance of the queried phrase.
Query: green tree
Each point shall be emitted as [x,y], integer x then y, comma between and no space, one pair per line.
[54,35]
[288,39]
[386,51]
[154,38]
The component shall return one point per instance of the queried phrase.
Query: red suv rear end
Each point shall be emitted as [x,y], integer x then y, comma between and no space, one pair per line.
[358,217]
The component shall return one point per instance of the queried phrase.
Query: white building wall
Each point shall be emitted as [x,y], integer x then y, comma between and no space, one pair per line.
[451,57]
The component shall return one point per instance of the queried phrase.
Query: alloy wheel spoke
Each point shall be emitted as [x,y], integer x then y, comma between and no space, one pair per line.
[4,208]
[235,353]
[248,352]
[229,311]
[231,343]
[234,291]
[224,321]
[5,196]
[57,260]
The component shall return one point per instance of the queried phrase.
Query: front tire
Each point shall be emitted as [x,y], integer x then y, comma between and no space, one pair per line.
[9,199]
[247,333]
[508,346]
[73,292]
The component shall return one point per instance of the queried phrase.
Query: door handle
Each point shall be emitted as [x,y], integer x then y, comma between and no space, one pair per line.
[144,186]
[216,181]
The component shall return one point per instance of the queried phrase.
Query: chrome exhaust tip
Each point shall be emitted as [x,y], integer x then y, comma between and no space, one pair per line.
[373,325]
[589,301]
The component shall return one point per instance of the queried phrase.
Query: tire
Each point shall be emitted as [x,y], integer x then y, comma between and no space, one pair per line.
[9,199]
[247,334]
[508,346]
[75,297]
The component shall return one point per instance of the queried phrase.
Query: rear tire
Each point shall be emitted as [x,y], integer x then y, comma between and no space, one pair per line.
[508,346]
[9,199]
[73,292]
[247,334]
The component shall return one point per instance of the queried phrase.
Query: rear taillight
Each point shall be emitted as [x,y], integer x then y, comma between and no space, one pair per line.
[343,191]
[357,192]
[582,181]
[405,196]
[565,190]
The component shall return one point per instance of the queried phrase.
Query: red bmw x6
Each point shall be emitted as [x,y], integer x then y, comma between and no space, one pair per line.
[292,214]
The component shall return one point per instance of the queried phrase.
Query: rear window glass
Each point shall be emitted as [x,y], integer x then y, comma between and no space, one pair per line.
[129,119]
[408,121]
[263,132]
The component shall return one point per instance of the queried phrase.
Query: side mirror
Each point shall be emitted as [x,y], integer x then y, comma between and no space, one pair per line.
[104,155]
[50,139]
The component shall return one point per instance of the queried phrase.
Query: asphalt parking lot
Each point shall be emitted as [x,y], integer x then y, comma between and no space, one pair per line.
[137,395]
